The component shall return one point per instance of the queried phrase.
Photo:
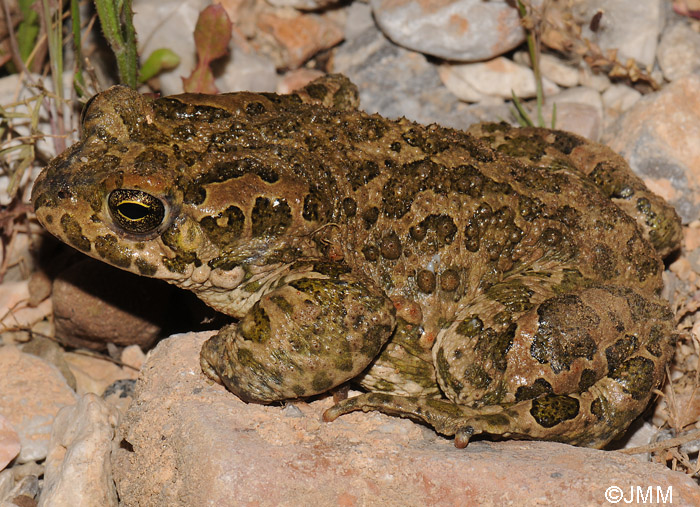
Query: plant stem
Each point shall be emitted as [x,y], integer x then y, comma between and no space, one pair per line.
[116,18]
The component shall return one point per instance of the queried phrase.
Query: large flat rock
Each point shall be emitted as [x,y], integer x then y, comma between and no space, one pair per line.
[187,441]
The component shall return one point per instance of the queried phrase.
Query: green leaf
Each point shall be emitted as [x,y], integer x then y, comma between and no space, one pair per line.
[158,61]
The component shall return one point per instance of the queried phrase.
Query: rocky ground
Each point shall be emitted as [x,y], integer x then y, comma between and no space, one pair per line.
[77,429]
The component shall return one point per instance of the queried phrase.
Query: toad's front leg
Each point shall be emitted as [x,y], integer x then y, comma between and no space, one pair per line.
[310,334]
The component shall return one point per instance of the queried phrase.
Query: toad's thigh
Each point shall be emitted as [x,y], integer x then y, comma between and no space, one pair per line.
[562,345]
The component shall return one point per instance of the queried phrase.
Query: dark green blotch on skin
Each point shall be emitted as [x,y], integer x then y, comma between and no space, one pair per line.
[598,407]
[331,269]
[109,249]
[254,108]
[150,162]
[443,371]
[636,376]
[145,268]
[538,388]
[514,295]
[282,304]
[321,382]
[229,232]
[477,376]
[553,409]
[299,390]
[270,218]
[564,332]
[74,233]
[566,142]
[619,351]
[343,362]
[255,326]
[656,338]
[316,91]
[470,327]
[588,378]
[362,173]
[495,346]
[349,207]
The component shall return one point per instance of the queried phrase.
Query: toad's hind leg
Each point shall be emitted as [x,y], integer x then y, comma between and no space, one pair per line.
[594,376]
[591,418]
[312,332]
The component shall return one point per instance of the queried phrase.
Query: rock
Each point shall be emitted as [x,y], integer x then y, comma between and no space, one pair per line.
[53,353]
[631,27]
[95,304]
[461,30]
[31,393]
[579,110]
[375,65]
[305,5]
[120,394]
[78,465]
[133,356]
[617,99]
[296,79]
[299,36]
[187,438]
[15,311]
[248,70]
[599,82]
[94,374]
[500,77]
[9,443]
[552,68]
[658,137]
[679,51]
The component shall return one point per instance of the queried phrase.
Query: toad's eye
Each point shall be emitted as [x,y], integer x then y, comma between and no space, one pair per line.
[135,211]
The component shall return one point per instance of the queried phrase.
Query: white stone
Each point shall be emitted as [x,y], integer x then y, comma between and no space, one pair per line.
[630,26]
[499,77]
[78,466]
[552,68]
[597,81]
[463,30]
[679,51]
[617,99]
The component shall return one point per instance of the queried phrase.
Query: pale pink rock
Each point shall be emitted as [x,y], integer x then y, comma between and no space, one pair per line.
[659,136]
[31,393]
[78,466]
[187,441]
[15,311]
[132,356]
[296,79]
[94,375]
[9,443]
[299,36]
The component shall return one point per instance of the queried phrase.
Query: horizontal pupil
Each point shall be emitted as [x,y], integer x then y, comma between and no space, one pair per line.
[133,210]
